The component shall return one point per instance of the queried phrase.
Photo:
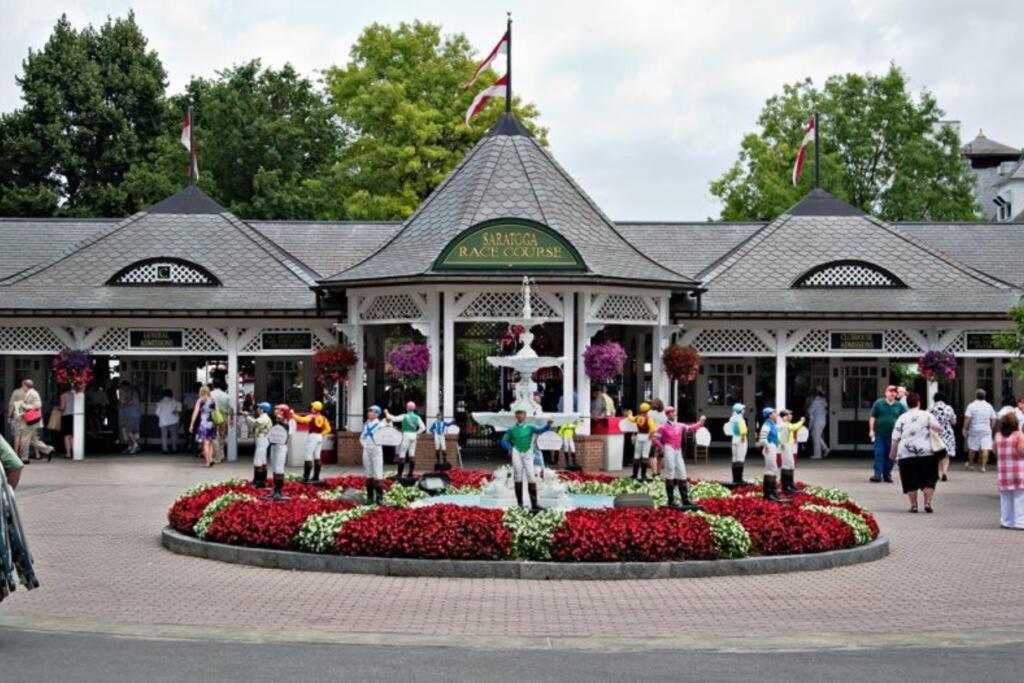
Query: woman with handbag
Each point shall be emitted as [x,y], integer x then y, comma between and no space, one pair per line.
[946,417]
[31,409]
[917,447]
[202,424]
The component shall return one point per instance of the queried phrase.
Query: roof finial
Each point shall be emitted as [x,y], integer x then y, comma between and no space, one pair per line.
[981,133]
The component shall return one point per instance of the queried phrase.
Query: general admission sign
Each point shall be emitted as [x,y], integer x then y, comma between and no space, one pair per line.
[509,244]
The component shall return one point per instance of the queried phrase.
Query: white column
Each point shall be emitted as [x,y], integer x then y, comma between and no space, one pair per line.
[582,381]
[357,373]
[434,342]
[568,344]
[78,428]
[780,369]
[232,379]
[448,342]
[659,342]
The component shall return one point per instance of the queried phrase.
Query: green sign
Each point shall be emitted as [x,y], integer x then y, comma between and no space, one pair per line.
[982,341]
[155,339]
[856,341]
[510,244]
[287,341]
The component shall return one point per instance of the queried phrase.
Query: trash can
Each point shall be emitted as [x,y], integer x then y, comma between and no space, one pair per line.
[297,443]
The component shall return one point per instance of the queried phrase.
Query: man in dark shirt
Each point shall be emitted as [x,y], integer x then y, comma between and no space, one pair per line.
[884,414]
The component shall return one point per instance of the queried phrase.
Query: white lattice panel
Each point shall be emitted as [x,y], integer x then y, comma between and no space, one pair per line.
[392,307]
[198,339]
[256,344]
[505,305]
[844,275]
[732,342]
[958,345]
[113,340]
[816,341]
[39,339]
[625,307]
[899,343]
[165,273]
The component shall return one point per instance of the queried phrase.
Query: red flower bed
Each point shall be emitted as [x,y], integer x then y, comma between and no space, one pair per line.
[437,532]
[184,514]
[783,528]
[460,478]
[632,535]
[587,476]
[267,523]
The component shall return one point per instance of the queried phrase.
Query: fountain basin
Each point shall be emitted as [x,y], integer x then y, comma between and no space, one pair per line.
[506,418]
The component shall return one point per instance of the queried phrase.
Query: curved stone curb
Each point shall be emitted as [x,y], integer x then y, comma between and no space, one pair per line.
[482,569]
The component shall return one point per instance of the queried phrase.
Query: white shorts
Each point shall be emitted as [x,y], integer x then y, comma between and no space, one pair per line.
[522,466]
[674,468]
[739,451]
[439,444]
[642,448]
[314,444]
[771,459]
[406,449]
[278,455]
[262,446]
[788,461]
[568,444]
[979,442]
[373,462]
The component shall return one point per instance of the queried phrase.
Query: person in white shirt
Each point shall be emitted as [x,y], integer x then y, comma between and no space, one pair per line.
[901,395]
[817,417]
[979,420]
[168,410]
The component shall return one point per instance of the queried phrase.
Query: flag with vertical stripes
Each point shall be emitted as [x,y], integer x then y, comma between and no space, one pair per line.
[798,167]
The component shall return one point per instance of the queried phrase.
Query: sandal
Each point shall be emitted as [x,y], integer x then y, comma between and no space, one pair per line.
[912,510]
[928,509]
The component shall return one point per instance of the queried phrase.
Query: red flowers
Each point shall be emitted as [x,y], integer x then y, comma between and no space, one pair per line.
[632,535]
[784,529]
[187,510]
[587,476]
[436,532]
[267,523]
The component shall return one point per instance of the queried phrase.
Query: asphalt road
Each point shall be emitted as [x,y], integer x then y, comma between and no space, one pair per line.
[58,657]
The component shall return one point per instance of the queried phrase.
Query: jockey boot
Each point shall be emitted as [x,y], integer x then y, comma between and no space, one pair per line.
[768,487]
[643,469]
[670,489]
[788,482]
[370,491]
[316,470]
[532,489]
[307,467]
[278,486]
[636,467]
[519,493]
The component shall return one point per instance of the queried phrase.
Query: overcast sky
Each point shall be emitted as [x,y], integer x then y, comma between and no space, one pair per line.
[646,100]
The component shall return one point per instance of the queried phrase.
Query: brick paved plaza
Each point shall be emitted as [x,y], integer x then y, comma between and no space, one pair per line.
[94,528]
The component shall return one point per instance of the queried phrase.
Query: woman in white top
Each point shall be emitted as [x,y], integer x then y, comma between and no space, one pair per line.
[946,417]
[912,449]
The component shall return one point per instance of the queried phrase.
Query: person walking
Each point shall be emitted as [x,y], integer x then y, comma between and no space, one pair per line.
[817,418]
[131,411]
[14,421]
[884,414]
[67,420]
[912,448]
[31,407]
[979,421]
[1009,444]
[202,424]
[946,417]
[220,397]
[168,410]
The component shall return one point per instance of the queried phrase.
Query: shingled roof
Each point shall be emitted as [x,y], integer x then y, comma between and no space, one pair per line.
[982,146]
[758,277]
[509,175]
[253,272]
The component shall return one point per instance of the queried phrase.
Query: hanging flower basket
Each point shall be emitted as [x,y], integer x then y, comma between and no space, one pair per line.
[511,339]
[409,360]
[681,363]
[333,363]
[72,369]
[937,365]
[604,361]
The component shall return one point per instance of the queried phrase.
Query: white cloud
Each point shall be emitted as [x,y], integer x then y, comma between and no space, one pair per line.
[646,101]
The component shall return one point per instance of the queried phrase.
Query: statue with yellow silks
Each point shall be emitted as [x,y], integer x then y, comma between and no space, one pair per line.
[319,427]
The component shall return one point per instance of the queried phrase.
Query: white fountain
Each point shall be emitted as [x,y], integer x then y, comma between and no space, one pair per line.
[525,362]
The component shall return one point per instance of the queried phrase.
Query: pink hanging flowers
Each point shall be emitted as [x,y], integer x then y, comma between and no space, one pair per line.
[72,369]
[937,365]
[604,361]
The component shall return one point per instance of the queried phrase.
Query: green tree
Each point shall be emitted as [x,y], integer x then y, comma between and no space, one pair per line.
[401,97]
[268,143]
[881,151]
[93,107]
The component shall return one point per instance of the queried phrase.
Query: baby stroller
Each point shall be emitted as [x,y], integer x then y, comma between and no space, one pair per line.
[15,558]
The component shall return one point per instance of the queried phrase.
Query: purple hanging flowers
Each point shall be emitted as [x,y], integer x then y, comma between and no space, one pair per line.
[939,365]
[409,360]
[604,361]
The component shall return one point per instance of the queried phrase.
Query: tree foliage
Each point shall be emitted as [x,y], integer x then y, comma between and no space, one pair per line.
[93,106]
[401,98]
[881,151]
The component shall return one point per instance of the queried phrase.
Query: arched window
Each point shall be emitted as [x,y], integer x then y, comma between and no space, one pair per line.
[848,275]
[164,272]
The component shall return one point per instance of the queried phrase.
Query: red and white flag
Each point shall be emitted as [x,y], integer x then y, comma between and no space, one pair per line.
[186,140]
[500,49]
[798,167]
[497,89]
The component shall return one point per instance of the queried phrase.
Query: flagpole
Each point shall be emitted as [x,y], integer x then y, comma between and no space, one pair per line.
[191,147]
[817,155]
[508,68]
